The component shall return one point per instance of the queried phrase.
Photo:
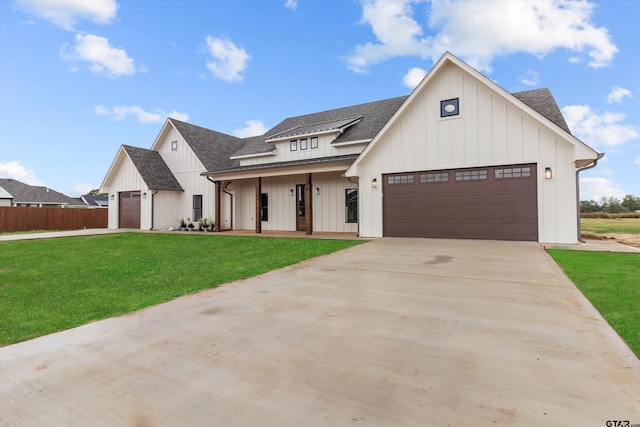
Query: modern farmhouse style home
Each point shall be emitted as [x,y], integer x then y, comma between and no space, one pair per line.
[458,158]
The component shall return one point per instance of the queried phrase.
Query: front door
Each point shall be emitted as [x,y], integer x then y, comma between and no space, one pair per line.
[301,208]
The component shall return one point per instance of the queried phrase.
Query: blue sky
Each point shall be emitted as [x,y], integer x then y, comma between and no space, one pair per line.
[80,78]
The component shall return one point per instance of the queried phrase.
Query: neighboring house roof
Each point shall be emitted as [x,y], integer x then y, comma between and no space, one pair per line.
[4,194]
[214,149]
[25,193]
[543,102]
[101,200]
[152,168]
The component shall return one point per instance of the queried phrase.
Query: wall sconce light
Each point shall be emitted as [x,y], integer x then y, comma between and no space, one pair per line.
[144,195]
[112,197]
[547,173]
[374,183]
[291,192]
[317,191]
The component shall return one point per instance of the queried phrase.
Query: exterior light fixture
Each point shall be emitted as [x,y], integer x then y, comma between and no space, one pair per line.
[374,183]
[144,195]
[547,173]
[317,191]
[291,192]
[112,196]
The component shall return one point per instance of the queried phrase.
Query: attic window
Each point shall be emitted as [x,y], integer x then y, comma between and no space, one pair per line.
[293,145]
[449,108]
[174,145]
[314,143]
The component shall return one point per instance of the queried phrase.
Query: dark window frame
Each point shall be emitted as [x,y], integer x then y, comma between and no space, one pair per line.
[197,210]
[351,205]
[293,145]
[303,144]
[314,143]
[264,207]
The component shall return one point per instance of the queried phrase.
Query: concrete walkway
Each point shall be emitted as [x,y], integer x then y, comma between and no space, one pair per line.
[394,332]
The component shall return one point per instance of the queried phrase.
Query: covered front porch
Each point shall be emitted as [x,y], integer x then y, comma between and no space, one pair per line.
[313,197]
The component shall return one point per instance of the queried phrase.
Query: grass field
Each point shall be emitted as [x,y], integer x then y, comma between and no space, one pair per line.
[54,284]
[611,281]
[596,226]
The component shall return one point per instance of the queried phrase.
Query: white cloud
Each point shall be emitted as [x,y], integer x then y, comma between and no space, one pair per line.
[119,113]
[253,128]
[80,188]
[480,30]
[413,77]
[617,94]
[66,13]
[637,162]
[103,58]
[228,61]
[291,4]
[595,188]
[15,170]
[530,78]
[598,130]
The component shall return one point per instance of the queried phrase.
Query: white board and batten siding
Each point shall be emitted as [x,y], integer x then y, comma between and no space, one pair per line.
[186,167]
[328,206]
[283,151]
[490,130]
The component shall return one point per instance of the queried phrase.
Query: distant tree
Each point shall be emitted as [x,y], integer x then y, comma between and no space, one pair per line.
[631,203]
[94,192]
[589,206]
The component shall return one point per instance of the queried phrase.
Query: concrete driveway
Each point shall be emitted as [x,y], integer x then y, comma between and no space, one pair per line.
[394,332]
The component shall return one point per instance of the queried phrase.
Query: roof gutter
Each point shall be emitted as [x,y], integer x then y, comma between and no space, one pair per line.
[589,166]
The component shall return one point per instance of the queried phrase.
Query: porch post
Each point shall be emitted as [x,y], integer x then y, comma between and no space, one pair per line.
[258,205]
[218,188]
[309,204]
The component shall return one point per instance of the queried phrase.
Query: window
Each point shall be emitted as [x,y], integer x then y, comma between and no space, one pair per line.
[293,145]
[264,207]
[400,179]
[197,206]
[434,177]
[303,144]
[314,143]
[449,108]
[351,206]
[471,175]
[513,173]
[174,145]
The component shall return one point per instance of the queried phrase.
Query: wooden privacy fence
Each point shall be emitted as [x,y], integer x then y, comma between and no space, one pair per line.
[28,219]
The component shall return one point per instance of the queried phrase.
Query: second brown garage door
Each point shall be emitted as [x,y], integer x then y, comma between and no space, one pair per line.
[496,203]
[130,209]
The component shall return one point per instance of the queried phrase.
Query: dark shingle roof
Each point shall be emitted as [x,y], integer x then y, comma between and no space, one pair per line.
[152,168]
[543,102]
[97,200]
[25,193]
[214,149]
[374,115]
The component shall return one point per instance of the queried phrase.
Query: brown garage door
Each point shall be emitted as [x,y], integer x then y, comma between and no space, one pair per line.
[497,203]
[130,209]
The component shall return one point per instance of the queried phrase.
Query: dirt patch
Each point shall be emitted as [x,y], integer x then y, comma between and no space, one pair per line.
[627,239]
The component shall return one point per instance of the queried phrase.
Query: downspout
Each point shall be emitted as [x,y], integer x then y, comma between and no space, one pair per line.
[224,190]
[152,207]
[589,166]
[223,186]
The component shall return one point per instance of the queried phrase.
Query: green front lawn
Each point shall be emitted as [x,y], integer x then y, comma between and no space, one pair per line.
[611,281]
[50,285]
